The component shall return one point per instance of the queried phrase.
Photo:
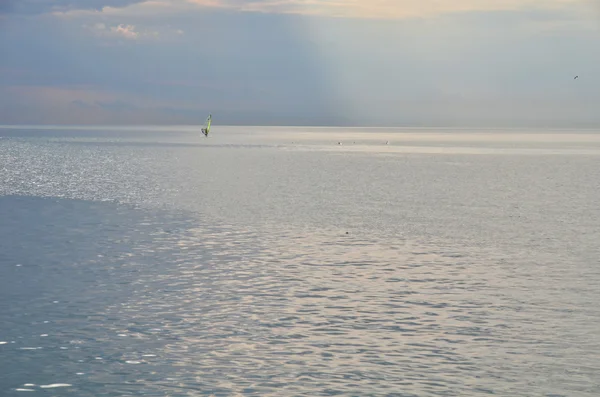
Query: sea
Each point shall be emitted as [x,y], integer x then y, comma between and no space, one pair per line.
[293,261]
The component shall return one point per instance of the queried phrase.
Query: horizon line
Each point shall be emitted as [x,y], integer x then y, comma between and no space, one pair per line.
[399,127]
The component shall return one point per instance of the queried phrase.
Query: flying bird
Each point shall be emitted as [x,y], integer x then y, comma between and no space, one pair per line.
[576,77]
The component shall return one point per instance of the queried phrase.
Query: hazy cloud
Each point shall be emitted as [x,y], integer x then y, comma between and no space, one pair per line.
[388,9]
[115,105]
[43,6]
[378,9]
[81,104]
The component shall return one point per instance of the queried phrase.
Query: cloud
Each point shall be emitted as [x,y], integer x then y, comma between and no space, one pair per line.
[132,32]
[45,6]
[127,31]
[120,31]
[369,9]
[388,9]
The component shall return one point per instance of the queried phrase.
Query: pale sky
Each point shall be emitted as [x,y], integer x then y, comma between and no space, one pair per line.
[301,62]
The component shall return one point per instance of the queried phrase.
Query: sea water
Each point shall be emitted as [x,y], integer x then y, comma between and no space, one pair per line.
[277,261]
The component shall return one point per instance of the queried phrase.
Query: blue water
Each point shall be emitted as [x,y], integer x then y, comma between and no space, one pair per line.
[302,262]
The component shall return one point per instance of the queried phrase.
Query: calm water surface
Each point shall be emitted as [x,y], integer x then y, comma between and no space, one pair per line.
[152,261]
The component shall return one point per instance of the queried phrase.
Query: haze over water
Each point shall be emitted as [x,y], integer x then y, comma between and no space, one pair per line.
[299,262]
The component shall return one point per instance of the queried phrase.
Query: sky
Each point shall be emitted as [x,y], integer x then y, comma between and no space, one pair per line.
[482,63]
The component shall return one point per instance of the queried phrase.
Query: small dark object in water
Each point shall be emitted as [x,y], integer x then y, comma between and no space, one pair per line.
[347,233]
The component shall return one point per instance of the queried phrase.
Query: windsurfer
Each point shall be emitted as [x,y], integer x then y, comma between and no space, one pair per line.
[206,128]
